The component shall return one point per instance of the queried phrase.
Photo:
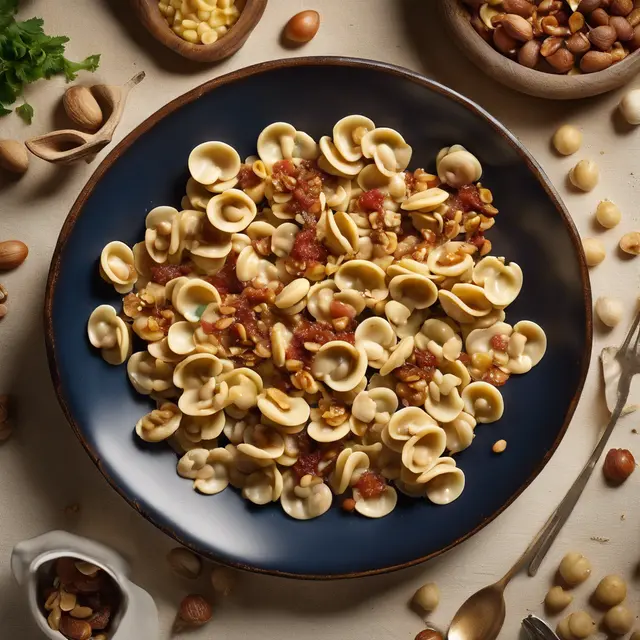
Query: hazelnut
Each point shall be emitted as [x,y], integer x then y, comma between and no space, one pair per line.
[581,625]
[587,6]
[194,611]
[603,37]
[578,43]
[630,243]
[608,214]
[619,620]
[562,60]
[618,465]
[517,27]
[567,139]
[529,54]
[302,27]
[598,18]
[585,174]
[185,563]
[550,46]
[574,569]
[429,634]
[594,252]
[427,597]
[611,591]
[624,30]
[594,61]
[621,7]
[503,41]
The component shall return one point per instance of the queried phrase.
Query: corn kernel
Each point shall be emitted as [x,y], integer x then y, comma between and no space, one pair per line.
[209,37]
[217,19]
[176,4]
[190,25]
[171,11]
[221,30]
[163,8]
[177,29]
[177,18]
[191,36]
[225,4]
[204,5]
[204,15]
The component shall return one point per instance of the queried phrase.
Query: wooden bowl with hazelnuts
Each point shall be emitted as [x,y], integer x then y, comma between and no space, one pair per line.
[558,49]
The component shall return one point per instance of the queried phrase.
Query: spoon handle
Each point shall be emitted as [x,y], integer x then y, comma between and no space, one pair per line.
[549,532]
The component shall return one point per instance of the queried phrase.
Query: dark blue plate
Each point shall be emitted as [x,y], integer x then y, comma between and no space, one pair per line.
[149,168]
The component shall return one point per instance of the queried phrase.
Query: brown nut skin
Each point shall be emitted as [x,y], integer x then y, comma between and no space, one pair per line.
[618,465]
[429,634]
[634,17]
[562,60]
[503,42]
[75,629]
[529,54]
[550,46]
[517,27]
[594,61]
[634,43]
[621,7]
[522,8]
[587,6]
[599,18]
[12,254]
[578,44]
[603,37]
[624,30]
[302,27]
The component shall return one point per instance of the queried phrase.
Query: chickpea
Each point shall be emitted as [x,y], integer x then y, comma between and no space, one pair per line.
[608,214]
[619,620]
[427,597]
[630,107]
[585,175]
[557,599]
[581,625]
[563,630]
[609,310]
[611,591]
[567,139]
[594,251]
[574,569]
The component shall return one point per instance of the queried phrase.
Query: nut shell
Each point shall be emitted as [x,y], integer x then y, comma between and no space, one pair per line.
[13,156]
[82,108]
[12,254]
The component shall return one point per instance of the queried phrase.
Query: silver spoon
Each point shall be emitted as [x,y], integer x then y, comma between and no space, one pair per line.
[481,617]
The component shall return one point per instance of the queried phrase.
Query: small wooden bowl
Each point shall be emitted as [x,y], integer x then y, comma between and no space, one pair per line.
[530,81]
[251,12]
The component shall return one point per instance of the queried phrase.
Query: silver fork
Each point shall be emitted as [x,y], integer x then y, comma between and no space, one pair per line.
[629,358]
[538,629]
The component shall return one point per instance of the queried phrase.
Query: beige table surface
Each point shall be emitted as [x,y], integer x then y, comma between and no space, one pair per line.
[43,468]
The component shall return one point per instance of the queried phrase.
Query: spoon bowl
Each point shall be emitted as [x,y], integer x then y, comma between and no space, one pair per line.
[481,617]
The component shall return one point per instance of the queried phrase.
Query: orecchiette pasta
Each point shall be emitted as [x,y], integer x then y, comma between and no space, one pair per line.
[319,320]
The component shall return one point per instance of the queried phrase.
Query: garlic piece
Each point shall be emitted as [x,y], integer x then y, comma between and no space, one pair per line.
[609,310]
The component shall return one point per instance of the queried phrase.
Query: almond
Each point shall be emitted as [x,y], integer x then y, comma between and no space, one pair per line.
[624,30]
[12,254]
[82,108]
[74,629]
[13,156]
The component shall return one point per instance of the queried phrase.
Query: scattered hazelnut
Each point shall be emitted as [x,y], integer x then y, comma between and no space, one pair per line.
[427,597]
[13,156]
[499,447]
[630,243]
[619,620]
[581,625]
[608,214]
[585,175]
[594,252]
[609,310]
[223,580]
[618,465]
[611,591]
[194,611]
[184,563]
[429,634]
[557,599]
[630,107]
[574,569]
[12,254]
[567,139]
[302,27]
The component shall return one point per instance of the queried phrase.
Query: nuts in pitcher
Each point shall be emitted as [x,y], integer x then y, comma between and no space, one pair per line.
[559,36]
[80,600]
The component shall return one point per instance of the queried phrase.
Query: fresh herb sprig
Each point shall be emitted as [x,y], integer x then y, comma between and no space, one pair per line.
[28,54]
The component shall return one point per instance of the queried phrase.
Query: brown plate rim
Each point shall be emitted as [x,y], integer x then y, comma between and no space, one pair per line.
[240,74]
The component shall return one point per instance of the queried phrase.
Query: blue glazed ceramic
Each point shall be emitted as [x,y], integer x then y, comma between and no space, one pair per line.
[149,168]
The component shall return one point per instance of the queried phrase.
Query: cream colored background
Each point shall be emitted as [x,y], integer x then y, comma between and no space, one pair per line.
[43,468]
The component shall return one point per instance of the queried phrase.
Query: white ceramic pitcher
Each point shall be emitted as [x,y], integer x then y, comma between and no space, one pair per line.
[137,616]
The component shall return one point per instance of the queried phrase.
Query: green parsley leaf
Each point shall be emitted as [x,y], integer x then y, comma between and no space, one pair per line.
[25,111]
[28,54]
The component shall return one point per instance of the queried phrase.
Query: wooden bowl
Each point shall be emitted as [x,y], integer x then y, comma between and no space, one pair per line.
[530,81]
[251,12]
